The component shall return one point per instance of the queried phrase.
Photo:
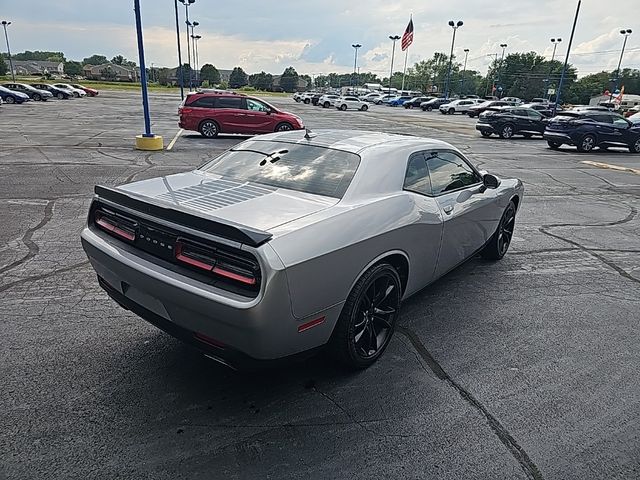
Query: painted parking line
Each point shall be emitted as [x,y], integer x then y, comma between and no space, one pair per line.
[175,139]
[612,167]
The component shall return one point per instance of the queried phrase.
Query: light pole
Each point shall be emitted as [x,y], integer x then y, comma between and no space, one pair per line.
[626,32]
[555,42]
[195,54]
[5,24]
[393,38]
[180,69]
[356,46]
[566,59]
[186,4]
[146,141]
[455,27]
[464,70]
[504,47]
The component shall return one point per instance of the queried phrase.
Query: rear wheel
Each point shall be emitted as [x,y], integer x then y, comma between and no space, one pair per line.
[209,129]
[635,147]
[326,104]
[60,95]
[429,108]
[506,131]
[343,107]
[485,134]
[452,111]
[553,145]
[76,94]
[37,97]
[409,106]
[501,239]
[368,318]
[587,143]
[10,100]
[364,108]
[283,127]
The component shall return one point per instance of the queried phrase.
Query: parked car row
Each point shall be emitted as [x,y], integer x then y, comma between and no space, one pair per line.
[22,92]
[585,128]
[327,100]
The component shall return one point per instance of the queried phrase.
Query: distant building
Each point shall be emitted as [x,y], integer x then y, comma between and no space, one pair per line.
[111,71]
[37,67]
[301,87]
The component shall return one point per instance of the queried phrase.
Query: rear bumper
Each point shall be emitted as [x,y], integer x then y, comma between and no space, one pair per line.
[238,329]
[558,137]
[485,127]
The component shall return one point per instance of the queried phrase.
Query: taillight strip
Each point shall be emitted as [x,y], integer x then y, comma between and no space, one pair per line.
[113,228]
[234,276]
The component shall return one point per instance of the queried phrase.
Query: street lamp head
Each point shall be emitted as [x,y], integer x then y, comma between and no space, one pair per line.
[198,37]
[460,23]
[394,37]
[356,45]
[503,45]
[466,50]
[5,23]
[627,31]
[451,24]
[195,24]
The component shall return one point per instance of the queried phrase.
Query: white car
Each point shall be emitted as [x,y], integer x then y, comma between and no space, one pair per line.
[76,92]
[515,100]
[326,100]
[635,118]
[297,96]
[306,97]
[350,103]
[458,106]
[384,98]
[370,97]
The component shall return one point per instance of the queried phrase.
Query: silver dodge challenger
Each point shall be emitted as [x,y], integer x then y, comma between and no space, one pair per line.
[293,241]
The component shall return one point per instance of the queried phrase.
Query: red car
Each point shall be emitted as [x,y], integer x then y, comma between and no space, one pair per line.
[225,112]
[91,92]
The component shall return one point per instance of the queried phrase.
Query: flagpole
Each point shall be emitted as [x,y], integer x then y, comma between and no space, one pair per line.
[404,72]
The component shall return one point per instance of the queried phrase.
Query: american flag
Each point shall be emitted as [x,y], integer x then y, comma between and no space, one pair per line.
[407,38]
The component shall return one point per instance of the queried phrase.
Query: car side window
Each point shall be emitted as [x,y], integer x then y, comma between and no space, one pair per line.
[603,118]
[229,102]
[449,172]
[204,102]
[256,106]
[417,177]
[620,122]
[519,113]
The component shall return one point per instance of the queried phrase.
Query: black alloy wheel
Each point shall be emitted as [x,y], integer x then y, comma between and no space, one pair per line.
[60,95]
[635,147]
[485,133]
[209,129]
[368,318]
[283,127]
[9,100]
[587,144]
[429,108]
[36,97]
[554,145]
[343,107]
[307,101]
[506,131]
[501,239]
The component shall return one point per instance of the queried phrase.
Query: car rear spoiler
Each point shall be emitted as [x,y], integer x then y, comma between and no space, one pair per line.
[175,214]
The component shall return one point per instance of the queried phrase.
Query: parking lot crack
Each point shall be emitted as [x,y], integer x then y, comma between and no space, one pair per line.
[27,239]
[520,455]
[34,278]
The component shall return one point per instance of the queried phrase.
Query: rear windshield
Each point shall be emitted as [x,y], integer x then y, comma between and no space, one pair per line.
[305,168]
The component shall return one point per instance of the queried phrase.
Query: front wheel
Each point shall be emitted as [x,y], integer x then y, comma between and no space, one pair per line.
[283,127]
[368,318]
[307,101]
[209,129]
[408,107]
[429,109]
[10,100]
[37,97]
[485,134]
[326,105]
[554,145]
[343,107]
[364,108]
[501,239]
[76,94]
[452,111]
[635,147]
[507,131]
[60,96]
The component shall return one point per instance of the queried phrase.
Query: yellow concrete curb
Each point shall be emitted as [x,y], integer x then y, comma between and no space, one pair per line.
[611,167]
[149,143]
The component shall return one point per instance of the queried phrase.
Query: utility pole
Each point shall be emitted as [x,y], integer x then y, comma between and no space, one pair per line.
[464,70]
[455,27]
[394,38]
[555,42]
[626,33]
[5,24]
[566,59]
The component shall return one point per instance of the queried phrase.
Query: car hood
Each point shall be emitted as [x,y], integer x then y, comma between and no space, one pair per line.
[259,206]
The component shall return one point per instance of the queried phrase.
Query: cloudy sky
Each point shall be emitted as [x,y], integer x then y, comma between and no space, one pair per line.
[316,37]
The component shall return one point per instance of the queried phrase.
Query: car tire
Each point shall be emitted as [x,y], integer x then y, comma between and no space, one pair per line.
[283,127]
[343,107]
[60,96]
[364,108]
[9,100]
[429,109]
[76,94]
[587,143]
[209,129]
[485,134]
[635,147]
[451,111]
[499,242]
[471,115]
[506,131]
[326,105]
[408,107]
[554,145]
[368,318]
[37,97]
[527,135]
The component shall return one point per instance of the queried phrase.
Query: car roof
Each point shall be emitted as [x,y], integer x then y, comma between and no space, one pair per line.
[353,141]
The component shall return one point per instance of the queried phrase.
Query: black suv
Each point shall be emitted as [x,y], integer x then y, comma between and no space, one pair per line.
[434,104]
[510,121]
[416,102]
[588,129]
[476,110]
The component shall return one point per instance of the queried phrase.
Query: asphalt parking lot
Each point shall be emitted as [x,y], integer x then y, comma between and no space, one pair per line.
[525,368]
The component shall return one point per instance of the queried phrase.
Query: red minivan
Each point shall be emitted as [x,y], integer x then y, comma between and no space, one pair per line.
[225,112]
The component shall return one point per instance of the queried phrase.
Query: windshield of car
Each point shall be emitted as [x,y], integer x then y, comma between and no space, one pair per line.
[304,168]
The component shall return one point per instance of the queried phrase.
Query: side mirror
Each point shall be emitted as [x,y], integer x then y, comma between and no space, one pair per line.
[490,181]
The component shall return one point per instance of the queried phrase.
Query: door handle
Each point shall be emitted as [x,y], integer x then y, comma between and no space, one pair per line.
[448,209]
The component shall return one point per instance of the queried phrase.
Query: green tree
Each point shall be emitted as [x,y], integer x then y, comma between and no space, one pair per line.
[163,76]
[120,60]
[40,55]
[261,81]
[186,70]
[289,80]
[307,79]
[238,78]
[210,73]
[73,68]
[3,66]
[95,60]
